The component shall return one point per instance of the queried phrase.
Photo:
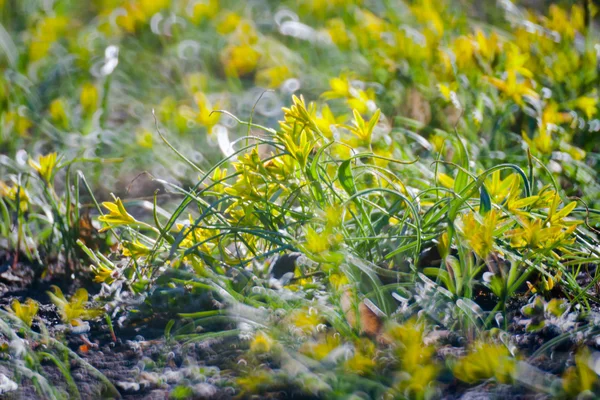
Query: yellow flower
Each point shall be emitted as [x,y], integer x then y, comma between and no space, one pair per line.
[58,113]
[515,61]
[194,235]
[139,12]
[513,88]
[25,312]
[118,215]
[255,381]
[428,12]
[552,115]
[447,90]
[195,82]
[487,47]
[580,377]
[314,242]
[240,60]
[589,106]
[326,121]
[151,7]
[340,88]
[47,32]
[228,23]
[306,320]
[338,33]
[45,166]
[145,139]
[485,361]
[13,192]
[75,308]
[135,249]
[20,123]
[535,235]
[89,98]
[206,117]
[479,231]
[103,274]
[363,360]
[272,77]
[262,343]
[320,349]
[338,281]
[498,188]
[407,339]
[558,20]
[206,9]
[463,48]
[542,140]
[363,130]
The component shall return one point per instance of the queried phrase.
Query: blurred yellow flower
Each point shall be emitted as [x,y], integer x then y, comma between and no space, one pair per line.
[262,343]
[447,90]
[589,105]
[429,12]
[485,361]
[338,281]
[487,47]
[273,77]
[58,114]
[24,311]
[338,33]
[340,87]
[46,32]
[240,60]
[322,347]
[144,139]
[306,319]
[463,49]
[228,23]
[363,360]
[327,120]
[139,12]
[205,116]
[19,123]
[89,98]
[12,192]
[204,9]
[580,378]
[196,82]
[513,88]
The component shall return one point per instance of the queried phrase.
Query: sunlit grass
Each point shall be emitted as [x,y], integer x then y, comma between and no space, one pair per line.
[355,188]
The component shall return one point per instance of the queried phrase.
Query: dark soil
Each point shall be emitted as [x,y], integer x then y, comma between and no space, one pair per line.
[142,364]
[140,368]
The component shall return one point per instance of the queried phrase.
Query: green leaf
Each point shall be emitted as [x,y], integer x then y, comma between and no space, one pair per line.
[485,202]
[442,275]
[462,178]
[313,174]
[346,178]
